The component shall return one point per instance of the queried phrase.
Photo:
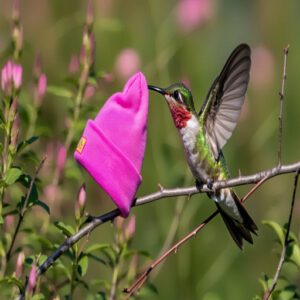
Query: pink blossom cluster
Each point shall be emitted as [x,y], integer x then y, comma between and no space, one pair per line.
[11,77]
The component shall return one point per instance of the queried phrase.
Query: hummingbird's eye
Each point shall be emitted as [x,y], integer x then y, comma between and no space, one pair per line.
[177,96]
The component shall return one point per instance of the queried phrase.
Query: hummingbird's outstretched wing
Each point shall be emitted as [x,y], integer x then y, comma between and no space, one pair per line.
[221,108]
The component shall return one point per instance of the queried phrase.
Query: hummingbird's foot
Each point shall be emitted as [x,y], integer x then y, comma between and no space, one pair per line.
[209,184]
[199,185]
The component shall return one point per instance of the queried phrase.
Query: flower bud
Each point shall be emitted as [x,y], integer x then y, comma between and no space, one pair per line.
[11,77]
[9,222]
[128,62]
[82,196]
[16,10]
[32,278]
[80,203]
[74,64]
[89,92]
[190,14]
[17,76]
[42,86]
[90,14]
[61,158]
[129,230]
[19,265]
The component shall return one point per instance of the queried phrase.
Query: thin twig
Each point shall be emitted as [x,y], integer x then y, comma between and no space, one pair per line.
[23,210]
[281,98]
[165,193]
[270,290]
[142,278]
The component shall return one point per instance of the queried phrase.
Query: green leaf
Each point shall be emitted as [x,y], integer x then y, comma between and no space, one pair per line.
[59,91]
[277,229]
[58,265]
[83,265]
[98,259]
[12,175]
[97,247]
[38,297]
[22,145]
[148,290]
[1,220]
[65,229]
[30,156]
[12,280]
[294,255]
[265,282]
[92,81]
[288,293]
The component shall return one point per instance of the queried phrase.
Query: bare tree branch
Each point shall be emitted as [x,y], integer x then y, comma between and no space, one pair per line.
[269,291]
[143,277]
[281,98]
[165,193]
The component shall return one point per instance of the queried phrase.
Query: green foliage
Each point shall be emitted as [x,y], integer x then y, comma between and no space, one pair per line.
[11,176]
[284,289]
[59,91]
[65,229]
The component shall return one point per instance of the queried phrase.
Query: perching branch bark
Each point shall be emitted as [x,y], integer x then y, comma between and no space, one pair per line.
[165,193]
[281,98]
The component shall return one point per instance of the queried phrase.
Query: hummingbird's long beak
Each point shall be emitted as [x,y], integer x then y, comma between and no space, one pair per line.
[157,89]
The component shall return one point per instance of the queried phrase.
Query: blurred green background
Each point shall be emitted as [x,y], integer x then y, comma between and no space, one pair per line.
[167,48]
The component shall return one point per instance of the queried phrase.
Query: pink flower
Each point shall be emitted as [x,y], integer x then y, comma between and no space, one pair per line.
[42,85]
[89,92]
[16,10]
[82,196]
[128,62]
[9,222]
[262,71]
[191,14]
[52,193]
[130,229]
[74,64]
[19,265]
[11,77]
[89,13]
[125,229]
[32,278]
[61,158]
[80,203]
[17,76]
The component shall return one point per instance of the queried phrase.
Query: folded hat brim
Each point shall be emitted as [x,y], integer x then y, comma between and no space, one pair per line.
[108,166]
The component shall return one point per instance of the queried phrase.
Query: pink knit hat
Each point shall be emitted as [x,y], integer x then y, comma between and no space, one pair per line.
[112,146]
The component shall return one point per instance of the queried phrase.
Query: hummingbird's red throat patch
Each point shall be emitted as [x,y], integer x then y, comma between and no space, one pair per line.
[180,115]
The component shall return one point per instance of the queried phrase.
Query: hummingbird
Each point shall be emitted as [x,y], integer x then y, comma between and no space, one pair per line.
[205,133]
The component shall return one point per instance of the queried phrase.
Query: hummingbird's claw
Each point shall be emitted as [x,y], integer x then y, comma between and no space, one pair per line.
[210,184]
[199,185]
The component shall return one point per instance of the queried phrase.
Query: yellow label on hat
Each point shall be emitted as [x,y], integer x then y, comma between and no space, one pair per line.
[81,144]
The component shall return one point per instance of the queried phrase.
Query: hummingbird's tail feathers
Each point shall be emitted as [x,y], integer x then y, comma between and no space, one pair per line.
[237,229]
[247,220]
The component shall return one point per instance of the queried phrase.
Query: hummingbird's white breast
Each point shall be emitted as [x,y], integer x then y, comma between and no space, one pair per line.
[189,135]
